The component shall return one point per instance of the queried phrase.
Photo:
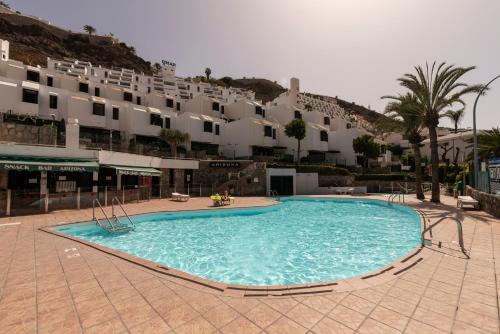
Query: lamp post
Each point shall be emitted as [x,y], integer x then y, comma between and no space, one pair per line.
[476,159]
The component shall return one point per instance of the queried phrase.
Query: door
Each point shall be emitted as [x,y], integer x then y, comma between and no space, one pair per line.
[282,184]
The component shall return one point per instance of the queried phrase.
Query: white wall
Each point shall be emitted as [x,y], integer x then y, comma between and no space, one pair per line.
[280,172]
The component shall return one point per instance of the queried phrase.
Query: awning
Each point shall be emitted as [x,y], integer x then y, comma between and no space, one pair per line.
[30,85]
[139,171]
[154,110]
[47,164]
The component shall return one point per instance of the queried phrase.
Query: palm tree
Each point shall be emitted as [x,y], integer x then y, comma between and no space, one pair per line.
[156,68]
[296,129]
[488,144]
[174,138]
[456,116]
[405,115]
[436,88]
[208,72]
[89,29]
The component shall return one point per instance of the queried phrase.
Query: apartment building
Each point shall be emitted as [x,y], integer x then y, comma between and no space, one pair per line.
[75,106]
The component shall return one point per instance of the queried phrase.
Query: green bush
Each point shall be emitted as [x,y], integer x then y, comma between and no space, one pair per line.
[323,170]
[385,177]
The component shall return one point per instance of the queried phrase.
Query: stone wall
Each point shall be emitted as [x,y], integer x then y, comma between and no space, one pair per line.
[488,202]
[216,179]
[27,134]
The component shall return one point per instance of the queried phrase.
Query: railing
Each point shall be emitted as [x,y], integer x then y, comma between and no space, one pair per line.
[117,201]
[275,195]
[98,222]
[459,231]
[392,197]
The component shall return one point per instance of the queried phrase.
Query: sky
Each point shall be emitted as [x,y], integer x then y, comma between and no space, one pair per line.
[353,49]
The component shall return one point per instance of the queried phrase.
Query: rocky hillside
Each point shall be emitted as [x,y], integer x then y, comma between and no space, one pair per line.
[32,41]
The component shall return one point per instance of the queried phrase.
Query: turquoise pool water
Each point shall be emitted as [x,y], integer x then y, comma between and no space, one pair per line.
[301,240]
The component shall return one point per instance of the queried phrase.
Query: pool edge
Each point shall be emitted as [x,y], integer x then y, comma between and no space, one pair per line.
[380,275]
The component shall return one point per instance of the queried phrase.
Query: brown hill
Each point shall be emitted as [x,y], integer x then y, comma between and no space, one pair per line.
[32,41]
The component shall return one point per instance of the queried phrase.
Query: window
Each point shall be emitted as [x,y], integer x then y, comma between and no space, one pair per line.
[50,81]
[323,136]
[136,78]
[53,101]
[149,90]
[274,133]
[198,89]
[97,91]
[98,109]
[217,129]
[33,76]
[258,110]
[178,106]
[138,100]
[263,113]
[167,122]
[83,87]
[348,126]
[30,96]
[106,74]
[127,96]
[298,115]
[116,113]
[222,110]
[135,88]
[215,106]
[208,127]
[268,131]
[170,103]
[326,120]
[155,119]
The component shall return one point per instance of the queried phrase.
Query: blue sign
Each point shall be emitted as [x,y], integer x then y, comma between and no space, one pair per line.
[494,161]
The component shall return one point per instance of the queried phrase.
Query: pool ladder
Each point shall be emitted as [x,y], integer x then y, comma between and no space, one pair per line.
[113,225]
[275,195]
[393,195]
[428,242]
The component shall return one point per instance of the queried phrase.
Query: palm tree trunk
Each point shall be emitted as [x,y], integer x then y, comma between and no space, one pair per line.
[456,127]
[298,151]
[434,164]
[418,172]
[173,149]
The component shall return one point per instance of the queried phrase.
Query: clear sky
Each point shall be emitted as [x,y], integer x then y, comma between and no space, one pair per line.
[354,49]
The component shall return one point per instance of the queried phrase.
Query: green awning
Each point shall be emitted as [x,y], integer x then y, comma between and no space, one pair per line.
[139,171]
[47,164]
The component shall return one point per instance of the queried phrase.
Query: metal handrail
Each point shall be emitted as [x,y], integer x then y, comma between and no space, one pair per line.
[392,197]
[121,207]
[275,195]
[103,212]
[459,229]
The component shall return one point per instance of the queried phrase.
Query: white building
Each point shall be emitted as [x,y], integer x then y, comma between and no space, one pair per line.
[455,145]
[124,110]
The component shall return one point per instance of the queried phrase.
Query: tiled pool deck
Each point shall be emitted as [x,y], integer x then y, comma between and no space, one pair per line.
[50,284]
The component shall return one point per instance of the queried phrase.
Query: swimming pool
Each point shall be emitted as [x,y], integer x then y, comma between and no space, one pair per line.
[301,240]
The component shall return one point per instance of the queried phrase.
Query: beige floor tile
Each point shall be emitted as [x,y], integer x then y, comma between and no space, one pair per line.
[390,318]
[347,317]
[285,325]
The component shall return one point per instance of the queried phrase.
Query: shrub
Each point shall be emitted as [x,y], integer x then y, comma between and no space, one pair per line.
[385,177]
[323,170]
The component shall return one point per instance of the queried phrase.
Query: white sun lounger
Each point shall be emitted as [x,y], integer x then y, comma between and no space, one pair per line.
[180,197]
[344,191]
[467,200]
